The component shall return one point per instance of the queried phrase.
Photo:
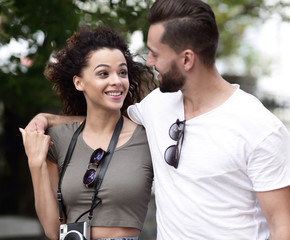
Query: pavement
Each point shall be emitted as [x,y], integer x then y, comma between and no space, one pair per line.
[19,227]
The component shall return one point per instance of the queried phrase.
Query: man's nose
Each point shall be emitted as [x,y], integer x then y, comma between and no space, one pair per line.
[149,61]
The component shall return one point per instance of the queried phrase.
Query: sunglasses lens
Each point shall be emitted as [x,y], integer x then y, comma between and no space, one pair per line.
[91,174]
[175,130]
[89,177]
[97,156]
[171,156]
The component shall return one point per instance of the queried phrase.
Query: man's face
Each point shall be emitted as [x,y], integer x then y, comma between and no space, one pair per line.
[164,60]
[172,80]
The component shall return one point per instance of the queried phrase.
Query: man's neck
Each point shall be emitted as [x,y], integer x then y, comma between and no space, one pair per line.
[204,92]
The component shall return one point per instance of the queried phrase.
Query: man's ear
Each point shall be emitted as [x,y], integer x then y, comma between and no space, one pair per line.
[78,83]
[188,59]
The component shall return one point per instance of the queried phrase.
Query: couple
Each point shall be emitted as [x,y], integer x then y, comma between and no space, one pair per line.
[221,161]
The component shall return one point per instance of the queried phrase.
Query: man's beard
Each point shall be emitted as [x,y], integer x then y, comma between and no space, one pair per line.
[173,80]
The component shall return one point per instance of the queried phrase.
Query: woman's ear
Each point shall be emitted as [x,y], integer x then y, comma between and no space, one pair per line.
[78,83]
[188,59]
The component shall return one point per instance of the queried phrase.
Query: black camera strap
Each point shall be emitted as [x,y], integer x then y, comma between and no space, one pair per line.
[102,172]
[105,164]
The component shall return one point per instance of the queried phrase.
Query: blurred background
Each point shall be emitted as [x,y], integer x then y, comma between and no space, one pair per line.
[253,52]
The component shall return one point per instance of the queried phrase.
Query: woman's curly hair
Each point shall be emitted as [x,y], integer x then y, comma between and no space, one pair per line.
[71,60]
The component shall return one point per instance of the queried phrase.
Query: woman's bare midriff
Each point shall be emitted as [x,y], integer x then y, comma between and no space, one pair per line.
[113,232]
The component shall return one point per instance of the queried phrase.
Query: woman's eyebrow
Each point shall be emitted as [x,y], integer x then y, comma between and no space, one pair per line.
[123,64]
[108,66]
[101,65]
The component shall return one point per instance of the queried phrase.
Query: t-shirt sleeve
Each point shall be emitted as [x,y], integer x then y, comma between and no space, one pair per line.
[52,152]
[135,113]
[269,164]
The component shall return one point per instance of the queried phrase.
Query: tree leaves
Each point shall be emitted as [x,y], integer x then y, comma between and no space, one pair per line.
[25,91]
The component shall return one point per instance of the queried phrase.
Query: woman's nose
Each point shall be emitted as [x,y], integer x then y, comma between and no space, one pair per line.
[116,79]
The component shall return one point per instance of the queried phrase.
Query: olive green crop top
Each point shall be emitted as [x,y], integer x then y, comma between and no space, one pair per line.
[126,188]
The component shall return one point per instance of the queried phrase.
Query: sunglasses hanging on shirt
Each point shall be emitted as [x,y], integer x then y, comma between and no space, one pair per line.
[90,178]
[91,173]
[172,153]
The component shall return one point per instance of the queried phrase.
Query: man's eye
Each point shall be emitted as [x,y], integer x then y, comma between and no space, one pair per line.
[154,55]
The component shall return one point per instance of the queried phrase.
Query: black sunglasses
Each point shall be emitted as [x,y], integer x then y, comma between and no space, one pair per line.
[172,153]
[91,174]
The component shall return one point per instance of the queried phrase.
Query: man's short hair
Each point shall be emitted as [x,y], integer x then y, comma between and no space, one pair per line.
[188,24]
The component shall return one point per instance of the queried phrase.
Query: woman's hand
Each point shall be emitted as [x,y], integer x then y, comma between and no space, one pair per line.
[36,146]
[44,178]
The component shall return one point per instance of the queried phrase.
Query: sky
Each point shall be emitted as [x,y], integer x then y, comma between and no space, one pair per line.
[272,40]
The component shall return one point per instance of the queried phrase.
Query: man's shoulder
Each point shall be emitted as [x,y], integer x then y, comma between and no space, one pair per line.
[156,94]
[249,110]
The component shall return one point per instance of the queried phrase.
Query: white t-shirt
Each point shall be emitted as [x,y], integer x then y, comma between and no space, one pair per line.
[227,154]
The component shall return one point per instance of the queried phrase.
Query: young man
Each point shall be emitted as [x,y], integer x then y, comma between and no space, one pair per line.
[221,160]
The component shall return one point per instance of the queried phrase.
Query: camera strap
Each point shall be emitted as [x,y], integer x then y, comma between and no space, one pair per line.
[103,169]
[105,164]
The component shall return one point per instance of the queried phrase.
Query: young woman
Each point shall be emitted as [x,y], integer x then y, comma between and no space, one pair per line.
[95,76]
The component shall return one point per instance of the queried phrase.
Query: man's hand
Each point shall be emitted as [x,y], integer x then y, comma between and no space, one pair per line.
[38,123]
[43,121]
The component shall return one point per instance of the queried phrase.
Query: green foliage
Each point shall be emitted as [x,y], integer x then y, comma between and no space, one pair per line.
[46,24]
[124,16]
[24,91]
[233,19]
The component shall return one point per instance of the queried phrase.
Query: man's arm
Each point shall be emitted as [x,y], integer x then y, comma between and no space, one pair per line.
[42,121]
[276,209]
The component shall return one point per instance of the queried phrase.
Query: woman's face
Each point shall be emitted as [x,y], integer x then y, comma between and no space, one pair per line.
[104,81]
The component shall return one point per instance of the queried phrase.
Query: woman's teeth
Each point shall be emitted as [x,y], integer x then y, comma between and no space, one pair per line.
[114,93]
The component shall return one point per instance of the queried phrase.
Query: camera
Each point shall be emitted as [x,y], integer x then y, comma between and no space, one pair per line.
[74,231]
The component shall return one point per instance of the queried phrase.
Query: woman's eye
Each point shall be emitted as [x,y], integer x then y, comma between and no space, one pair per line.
[103,74]
[124,73]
